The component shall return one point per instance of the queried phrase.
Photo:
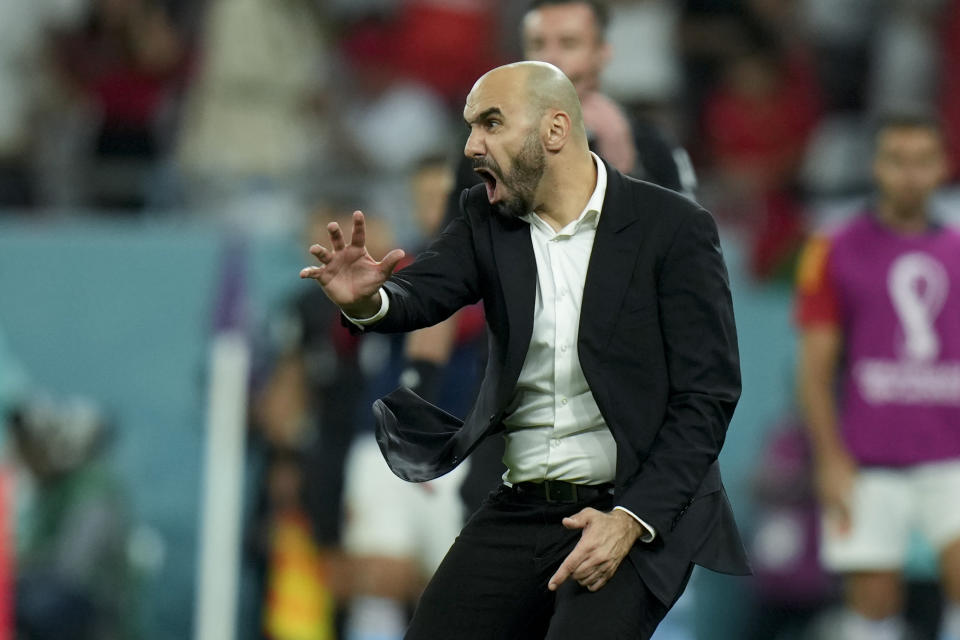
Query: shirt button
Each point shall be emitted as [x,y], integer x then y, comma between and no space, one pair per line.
[554,443]
[563,401]
[563,348]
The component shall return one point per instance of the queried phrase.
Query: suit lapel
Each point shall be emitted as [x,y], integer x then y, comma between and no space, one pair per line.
[517,268]
[611,262]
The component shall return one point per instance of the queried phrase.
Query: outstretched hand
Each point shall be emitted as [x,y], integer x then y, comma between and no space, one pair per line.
[349,275]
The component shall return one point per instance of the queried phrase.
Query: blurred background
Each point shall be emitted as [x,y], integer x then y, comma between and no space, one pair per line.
[180,405]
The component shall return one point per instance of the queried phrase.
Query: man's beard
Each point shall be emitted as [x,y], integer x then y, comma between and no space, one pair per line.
[520,185]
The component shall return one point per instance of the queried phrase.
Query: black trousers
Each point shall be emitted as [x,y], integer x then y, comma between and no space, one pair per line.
[492,584]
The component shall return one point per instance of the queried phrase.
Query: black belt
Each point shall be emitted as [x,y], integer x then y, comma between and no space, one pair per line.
[560,491]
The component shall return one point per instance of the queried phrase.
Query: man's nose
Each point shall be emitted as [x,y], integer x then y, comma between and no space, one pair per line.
[474,147]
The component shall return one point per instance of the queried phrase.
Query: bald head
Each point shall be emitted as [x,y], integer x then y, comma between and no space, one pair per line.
[549,88]
[542,87]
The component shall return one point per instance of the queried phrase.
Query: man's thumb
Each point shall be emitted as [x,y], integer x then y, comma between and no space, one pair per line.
[390,261]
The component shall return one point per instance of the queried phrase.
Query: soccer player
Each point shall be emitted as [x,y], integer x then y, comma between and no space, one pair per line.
[879,375]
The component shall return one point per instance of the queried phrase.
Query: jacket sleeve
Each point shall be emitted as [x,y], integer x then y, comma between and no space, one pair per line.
[700,341]
[441,280]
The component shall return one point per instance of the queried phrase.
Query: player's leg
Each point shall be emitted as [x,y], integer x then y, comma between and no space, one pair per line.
[875,595]
[870,554]
[439,518]
[938,493]
[380,542]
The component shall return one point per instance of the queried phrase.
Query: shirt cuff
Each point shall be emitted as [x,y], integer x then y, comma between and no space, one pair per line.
[649,533]
[384,307]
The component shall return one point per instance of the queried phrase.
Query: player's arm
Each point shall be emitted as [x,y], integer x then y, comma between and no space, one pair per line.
[835,469]
[820,350]
[819,357]
[427,352]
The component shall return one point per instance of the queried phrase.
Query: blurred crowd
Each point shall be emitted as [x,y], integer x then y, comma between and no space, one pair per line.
[249,110]
[276,116]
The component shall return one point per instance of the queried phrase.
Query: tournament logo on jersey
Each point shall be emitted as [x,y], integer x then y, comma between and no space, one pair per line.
[918,285]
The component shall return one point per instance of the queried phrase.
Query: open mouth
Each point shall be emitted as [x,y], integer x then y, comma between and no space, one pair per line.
[490,181]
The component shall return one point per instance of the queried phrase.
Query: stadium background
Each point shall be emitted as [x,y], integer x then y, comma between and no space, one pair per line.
[113,263]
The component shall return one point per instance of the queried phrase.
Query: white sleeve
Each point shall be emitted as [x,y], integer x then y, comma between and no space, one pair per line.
[649,533]
[384,307]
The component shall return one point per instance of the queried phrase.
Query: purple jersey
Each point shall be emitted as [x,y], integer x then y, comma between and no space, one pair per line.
[898,304]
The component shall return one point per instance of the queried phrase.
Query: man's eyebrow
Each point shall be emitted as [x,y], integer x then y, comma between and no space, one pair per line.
[484,115]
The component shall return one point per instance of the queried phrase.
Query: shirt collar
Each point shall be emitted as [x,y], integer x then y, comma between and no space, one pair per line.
[590,216]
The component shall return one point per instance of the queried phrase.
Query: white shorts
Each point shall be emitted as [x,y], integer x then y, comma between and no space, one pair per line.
[885,508]
[387,516]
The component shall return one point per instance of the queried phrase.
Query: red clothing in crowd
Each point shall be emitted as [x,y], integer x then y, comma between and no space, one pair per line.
[763,132]
[950,82]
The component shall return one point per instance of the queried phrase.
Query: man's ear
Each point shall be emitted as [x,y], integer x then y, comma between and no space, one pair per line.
[558,131]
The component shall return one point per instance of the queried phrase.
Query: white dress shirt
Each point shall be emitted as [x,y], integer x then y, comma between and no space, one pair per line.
[554,429]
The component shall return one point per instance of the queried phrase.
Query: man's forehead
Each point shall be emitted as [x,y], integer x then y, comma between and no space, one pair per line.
[575,18]
[476,107]
[910,137]
[490,94]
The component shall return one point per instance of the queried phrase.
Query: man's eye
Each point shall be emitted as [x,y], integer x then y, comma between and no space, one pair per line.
[491,124]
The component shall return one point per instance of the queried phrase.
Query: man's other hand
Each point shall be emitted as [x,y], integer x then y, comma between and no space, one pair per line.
[604,543]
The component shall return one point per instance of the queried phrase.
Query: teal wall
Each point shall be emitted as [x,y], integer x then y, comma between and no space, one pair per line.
[122,312]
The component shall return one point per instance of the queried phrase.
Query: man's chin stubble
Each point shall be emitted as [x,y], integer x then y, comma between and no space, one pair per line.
[511,209]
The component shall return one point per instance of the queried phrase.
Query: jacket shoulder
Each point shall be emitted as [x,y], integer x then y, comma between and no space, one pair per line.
[664,207]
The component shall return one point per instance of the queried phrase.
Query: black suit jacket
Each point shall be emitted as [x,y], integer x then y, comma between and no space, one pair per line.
[657,344]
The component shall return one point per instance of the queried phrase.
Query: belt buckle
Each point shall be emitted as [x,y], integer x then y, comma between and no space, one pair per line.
[560,492]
